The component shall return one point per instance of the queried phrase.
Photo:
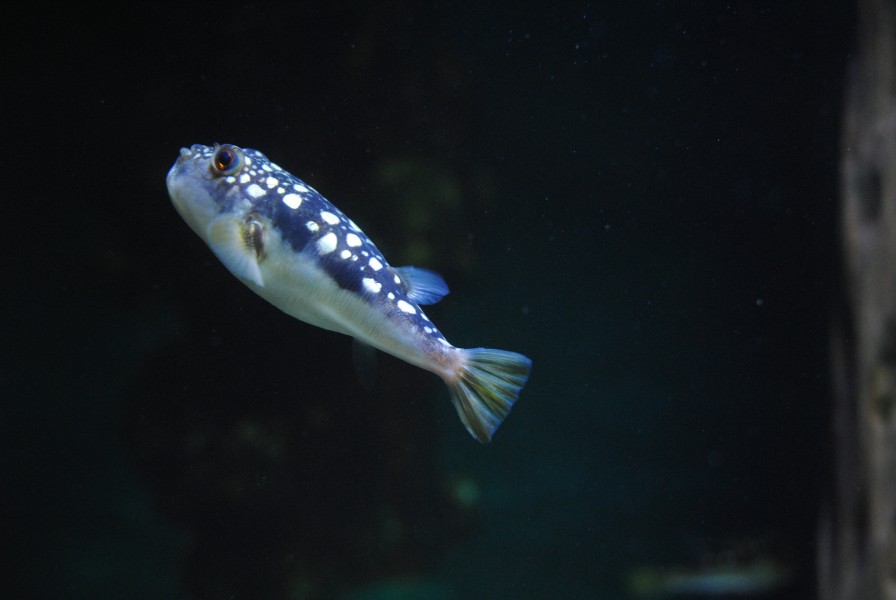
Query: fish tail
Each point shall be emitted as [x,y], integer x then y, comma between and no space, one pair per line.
[486,384]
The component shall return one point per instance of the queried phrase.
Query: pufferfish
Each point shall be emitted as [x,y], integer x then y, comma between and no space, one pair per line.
[296,250]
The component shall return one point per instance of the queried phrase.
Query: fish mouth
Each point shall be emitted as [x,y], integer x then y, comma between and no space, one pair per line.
[182,166]
[188,153]
[185,155]
[179,179]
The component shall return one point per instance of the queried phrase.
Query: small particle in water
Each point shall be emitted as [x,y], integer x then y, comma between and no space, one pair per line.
[465,492]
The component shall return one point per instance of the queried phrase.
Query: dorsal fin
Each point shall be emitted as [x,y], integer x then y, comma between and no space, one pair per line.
[424,286]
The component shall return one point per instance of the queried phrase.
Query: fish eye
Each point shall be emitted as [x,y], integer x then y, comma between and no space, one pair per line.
[227,160]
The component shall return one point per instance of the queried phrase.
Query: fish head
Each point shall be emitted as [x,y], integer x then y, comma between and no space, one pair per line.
[215,190]
[204,183]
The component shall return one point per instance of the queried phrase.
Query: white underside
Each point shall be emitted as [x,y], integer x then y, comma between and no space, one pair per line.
[295,284]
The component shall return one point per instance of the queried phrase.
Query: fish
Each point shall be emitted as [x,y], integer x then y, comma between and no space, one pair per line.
[295,249]
[742,580]
[743,568]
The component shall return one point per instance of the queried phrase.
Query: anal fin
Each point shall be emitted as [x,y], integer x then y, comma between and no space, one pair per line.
[364,361]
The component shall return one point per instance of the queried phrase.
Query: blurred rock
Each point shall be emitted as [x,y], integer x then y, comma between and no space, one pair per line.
[857,540]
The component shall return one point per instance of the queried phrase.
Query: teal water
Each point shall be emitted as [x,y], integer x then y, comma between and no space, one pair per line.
[642,199]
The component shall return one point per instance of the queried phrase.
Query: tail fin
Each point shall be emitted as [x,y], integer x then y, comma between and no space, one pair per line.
[487,384]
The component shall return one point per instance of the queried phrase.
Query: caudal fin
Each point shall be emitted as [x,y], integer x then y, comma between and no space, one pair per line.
[488,382]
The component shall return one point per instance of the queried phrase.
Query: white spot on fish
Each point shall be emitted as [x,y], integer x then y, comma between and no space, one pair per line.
[329,217]
[397,280]
[266,168]
[427,329]
[312,226]
[443,341]
[327,244]
[292,200]
[352,240]
[300,188]
[405,307]
[355,227]
[272,182]
[346,254]
[244,178]
[276,167]
[280,191]
[391,296]
[374,263]
[255,191]
[371,285]
[230,179]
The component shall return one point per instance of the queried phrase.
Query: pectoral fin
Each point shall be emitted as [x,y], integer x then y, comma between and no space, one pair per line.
[239,244]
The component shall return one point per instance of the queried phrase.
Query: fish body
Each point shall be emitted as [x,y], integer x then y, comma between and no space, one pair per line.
[723,581]
[299,252]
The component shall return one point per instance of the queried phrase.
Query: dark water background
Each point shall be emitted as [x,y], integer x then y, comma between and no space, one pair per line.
[639,196]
